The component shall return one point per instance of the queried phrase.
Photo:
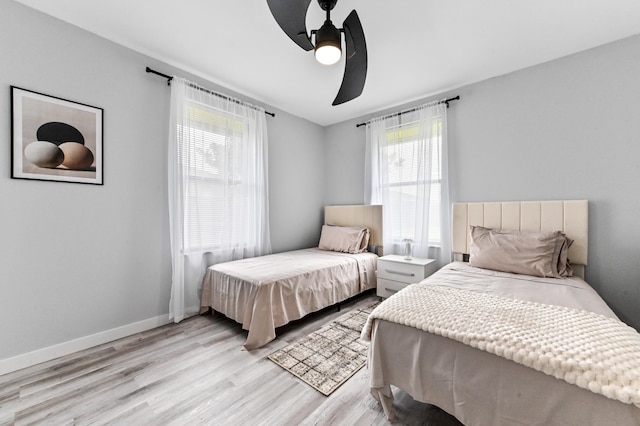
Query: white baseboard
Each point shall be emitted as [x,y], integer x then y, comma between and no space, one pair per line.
[19,362]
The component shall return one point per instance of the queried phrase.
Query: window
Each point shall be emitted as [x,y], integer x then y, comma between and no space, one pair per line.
[409,180]
[407,174]
[218,189]
[204,199]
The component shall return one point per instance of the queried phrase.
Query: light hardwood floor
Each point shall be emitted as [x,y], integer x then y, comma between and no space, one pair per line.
[195,373]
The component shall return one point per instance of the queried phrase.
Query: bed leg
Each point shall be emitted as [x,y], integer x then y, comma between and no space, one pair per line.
[384,395]
[339,306]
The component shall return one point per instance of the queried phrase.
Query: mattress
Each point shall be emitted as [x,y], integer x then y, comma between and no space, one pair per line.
[478,387]
[266,292]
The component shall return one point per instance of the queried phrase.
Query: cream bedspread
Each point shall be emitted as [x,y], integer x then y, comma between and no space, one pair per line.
[459,373]
[266,292]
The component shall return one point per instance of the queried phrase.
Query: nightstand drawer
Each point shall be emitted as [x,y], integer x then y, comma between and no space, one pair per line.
[394,272]
[404,272]
[387,288]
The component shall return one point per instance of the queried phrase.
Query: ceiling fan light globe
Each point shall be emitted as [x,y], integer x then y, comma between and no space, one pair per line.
[328,54]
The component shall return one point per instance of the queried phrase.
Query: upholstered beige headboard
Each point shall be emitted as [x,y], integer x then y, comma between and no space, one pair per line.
[369,216]
[570,217]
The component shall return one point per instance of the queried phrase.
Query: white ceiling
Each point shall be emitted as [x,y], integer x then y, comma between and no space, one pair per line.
[417,48]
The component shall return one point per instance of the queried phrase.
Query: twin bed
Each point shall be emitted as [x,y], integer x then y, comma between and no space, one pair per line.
[494,347]
[267,292]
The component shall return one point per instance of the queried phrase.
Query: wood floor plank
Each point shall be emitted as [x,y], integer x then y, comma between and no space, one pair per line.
[195,372]
[7,413]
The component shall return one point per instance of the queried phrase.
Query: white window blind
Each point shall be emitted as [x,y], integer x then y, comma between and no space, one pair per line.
[408,176]
[213,191]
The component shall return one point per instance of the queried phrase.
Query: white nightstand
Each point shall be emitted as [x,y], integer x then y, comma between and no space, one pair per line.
[395,273]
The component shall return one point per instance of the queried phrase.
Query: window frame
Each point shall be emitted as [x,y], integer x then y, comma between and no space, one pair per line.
[414,136]
[197,174]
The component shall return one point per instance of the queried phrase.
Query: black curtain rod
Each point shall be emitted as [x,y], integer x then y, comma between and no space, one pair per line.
[446,101]
[169,78]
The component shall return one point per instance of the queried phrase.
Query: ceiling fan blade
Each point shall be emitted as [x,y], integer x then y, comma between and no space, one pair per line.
[291,15]
[355,70]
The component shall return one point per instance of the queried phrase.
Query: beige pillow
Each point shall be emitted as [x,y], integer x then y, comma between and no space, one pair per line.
[346,239]
[364,242]
[542,254]
[564,266]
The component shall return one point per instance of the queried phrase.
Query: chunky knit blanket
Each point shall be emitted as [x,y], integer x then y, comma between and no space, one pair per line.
[585,349]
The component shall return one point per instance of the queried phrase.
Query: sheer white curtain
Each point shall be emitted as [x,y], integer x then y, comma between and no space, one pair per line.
[218,187]
[406,171]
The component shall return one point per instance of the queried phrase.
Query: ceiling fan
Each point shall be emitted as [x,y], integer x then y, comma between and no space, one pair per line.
[291,16]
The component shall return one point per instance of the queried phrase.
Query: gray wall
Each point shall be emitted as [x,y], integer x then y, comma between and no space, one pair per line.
[296,182]
[566,129]
[75,259]
[344,176]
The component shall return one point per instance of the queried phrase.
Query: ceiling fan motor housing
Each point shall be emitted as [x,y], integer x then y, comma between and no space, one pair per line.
[328,34]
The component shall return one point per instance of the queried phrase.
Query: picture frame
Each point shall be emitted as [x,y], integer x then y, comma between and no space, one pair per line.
[55,139]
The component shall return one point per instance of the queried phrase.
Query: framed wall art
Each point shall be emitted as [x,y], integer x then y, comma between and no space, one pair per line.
[55,139]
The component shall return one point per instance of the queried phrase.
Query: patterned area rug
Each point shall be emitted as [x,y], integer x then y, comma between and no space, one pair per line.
[328,357]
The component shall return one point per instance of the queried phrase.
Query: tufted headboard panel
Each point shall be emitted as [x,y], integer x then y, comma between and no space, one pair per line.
[570,217]
[369,216]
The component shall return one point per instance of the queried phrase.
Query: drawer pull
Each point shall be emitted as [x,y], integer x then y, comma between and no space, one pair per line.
[391,290]
[406,274]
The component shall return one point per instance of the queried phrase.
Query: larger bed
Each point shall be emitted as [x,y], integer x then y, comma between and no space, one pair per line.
[494,348]
[267,292]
